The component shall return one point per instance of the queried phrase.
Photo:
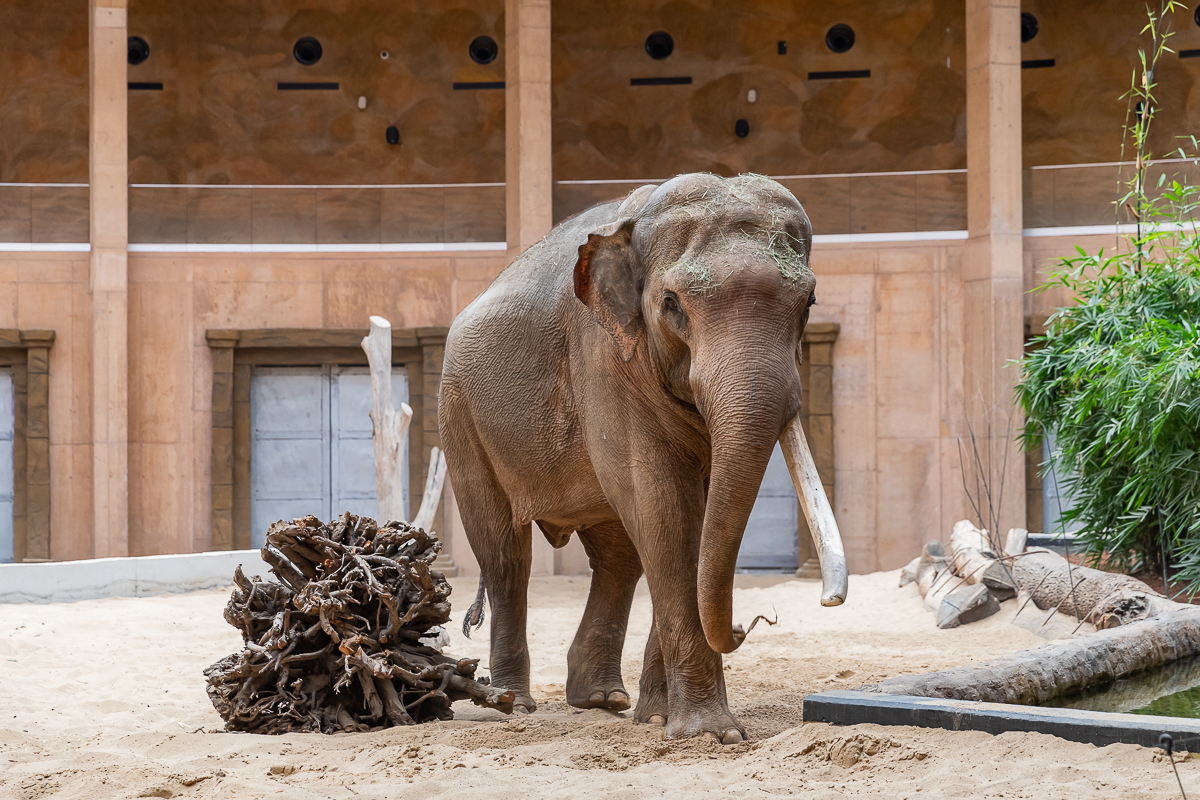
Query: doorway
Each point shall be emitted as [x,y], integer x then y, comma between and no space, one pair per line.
[311,447]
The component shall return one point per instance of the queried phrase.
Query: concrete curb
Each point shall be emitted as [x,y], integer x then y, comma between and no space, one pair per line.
[1091,727]
[66,581]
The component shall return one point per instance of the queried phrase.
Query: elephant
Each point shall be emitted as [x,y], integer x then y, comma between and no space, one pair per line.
[626,379]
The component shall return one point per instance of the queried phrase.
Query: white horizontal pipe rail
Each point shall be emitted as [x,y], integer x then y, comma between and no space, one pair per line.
[394,247]
[495,247]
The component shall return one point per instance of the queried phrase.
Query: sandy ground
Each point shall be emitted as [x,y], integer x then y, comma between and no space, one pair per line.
[105,699]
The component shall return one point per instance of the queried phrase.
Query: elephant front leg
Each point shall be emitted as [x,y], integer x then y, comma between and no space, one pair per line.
[691,670]
[695,681]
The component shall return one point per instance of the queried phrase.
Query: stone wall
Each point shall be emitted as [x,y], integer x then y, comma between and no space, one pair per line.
[174,299]
[220,117]
[50,291]
[897,373]
[220,123]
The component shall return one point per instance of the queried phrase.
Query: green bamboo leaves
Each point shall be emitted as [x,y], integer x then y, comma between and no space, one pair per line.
[1116,377]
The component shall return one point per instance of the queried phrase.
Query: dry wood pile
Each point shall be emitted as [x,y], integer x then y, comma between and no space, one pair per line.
[966,582]
[342,641]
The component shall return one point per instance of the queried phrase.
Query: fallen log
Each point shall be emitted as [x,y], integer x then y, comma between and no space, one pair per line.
[1106,599]
[335,644]
[1014,544]
[934,577]
[1032,677]
[953,600]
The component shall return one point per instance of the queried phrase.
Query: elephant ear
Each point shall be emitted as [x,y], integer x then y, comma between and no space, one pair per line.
[605,283]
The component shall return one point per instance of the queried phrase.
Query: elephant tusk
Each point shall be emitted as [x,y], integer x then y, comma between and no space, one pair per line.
[818,513]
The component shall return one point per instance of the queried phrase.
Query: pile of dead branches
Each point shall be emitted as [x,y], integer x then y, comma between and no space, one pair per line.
[336,644]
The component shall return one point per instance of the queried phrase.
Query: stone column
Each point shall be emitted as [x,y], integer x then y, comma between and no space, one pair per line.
[37,444]
[109,204]
[993,323]
[222,343]
[527,169]
[528,174]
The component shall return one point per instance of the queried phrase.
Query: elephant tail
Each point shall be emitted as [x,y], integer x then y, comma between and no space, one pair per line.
[474,617]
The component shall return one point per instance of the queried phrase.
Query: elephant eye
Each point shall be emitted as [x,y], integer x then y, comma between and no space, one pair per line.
[670,302]
[812,299]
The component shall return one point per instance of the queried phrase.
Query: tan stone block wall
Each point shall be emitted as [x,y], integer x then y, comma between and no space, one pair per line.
[897,393]
[897,379]
[50,291]
[175,299]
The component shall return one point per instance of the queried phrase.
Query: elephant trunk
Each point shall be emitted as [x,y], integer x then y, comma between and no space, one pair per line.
[743,435]
[742,441]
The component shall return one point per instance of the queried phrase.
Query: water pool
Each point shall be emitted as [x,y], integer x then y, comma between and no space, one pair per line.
[1172,690]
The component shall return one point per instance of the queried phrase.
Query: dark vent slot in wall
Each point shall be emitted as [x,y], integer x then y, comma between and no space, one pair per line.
[1189,53]
[299,87]
[681,81]
[839,74]
[458,87]
[145,86]
[1041,63]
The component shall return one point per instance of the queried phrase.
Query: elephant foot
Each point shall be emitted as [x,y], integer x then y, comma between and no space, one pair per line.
[721,725]
[613,698]
[522,705]
[651,710]
[732,736]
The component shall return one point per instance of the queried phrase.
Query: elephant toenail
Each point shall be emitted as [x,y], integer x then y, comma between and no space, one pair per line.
[732,736]
[596,697]
[657,719]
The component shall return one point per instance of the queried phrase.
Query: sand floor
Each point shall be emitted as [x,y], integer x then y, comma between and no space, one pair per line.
[105,699]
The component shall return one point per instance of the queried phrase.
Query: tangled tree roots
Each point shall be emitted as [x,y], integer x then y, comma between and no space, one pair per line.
[336,645]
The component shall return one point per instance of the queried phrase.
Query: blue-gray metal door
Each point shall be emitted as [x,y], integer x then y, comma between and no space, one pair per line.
[6,465]
[311,448]
[289,451]
[770,542]
[353,450]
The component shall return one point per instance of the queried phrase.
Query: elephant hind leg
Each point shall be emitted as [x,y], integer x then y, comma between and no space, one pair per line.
[594,660]
[652,689]
[504,551]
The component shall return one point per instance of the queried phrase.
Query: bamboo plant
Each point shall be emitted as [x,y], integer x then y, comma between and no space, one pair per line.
[1116,376]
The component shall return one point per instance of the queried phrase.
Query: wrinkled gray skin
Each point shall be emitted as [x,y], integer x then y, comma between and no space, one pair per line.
[627,379]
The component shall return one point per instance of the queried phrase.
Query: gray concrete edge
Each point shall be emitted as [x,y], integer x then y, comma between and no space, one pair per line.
[1091,727]
[140,576]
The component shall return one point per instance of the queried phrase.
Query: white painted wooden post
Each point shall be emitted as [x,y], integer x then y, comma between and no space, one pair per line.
[433,490]
[389,425]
